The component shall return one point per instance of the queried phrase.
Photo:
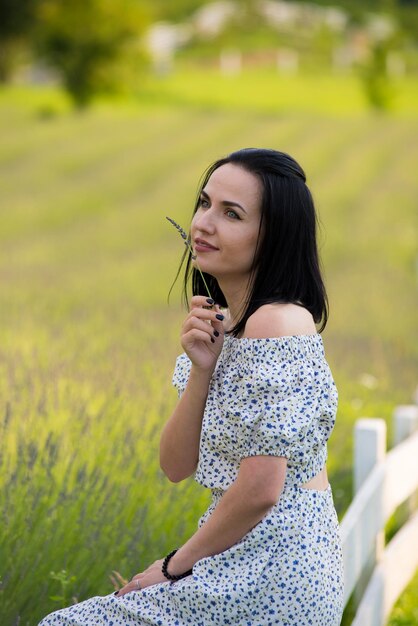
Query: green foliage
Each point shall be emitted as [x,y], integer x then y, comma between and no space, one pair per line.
[95,46]
[66,581]
[175,11]
[16,24]
[87,341]
[408,17]
[15,18]
[405,611]
[377,84]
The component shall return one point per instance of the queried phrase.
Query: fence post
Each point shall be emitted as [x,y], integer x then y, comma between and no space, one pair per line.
[405,423]
[369,450]
[369,447]
[405,419]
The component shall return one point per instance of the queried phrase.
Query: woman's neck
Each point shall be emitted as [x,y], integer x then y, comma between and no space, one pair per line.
[236,298]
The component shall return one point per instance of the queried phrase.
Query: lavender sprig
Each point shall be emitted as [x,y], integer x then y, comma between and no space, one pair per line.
[187,243]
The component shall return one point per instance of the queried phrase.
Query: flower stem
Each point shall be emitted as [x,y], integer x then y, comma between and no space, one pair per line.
[187,242]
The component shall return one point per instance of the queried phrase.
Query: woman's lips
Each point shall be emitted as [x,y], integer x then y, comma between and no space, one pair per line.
[203,246]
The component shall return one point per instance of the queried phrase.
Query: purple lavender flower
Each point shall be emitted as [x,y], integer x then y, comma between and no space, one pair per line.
[187,242]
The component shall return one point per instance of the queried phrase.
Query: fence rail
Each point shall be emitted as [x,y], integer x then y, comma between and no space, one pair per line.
[382,481]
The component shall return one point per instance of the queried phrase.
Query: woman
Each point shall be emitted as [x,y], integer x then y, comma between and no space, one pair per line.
[257,406]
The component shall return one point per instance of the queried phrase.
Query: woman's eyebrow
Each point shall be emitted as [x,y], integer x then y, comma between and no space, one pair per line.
[224,202]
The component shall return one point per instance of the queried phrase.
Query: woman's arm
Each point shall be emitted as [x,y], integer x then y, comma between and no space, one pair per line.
[179,444]
[256,489]
[202,339]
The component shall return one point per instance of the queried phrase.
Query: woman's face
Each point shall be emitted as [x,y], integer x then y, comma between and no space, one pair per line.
[225,227]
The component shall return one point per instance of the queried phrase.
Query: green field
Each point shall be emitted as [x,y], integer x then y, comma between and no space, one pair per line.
[88,341]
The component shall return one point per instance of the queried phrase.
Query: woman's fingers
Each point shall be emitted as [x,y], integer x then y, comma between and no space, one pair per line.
[196,323]
[202,332]
[132,585]
[212,316]
[217,323]
[201,301]
[195,334]
[205,314]
[205,317]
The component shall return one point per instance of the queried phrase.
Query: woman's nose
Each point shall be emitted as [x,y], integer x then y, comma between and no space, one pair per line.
[204,221]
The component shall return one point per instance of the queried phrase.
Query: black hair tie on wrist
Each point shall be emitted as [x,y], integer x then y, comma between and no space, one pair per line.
[172,576]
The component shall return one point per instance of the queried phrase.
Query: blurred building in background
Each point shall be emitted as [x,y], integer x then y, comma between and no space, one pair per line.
[292,36]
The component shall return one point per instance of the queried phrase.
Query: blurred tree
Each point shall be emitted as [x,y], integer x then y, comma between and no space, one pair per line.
[408,17]
[377,85]
[95,45]
[386,37]
[16,23]
[175,11]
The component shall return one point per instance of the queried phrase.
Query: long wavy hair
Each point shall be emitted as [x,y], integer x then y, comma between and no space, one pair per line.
[286,265]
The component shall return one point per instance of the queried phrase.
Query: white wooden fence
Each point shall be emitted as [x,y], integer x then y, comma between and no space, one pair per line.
[382,482]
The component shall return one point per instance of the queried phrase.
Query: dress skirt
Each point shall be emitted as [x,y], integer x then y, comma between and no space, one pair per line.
[287,571]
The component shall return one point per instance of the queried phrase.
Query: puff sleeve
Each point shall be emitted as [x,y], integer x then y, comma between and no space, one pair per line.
[294,416]
[282,409]
[181,373]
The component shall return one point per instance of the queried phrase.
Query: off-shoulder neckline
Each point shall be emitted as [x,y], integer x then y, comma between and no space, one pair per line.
[291,347]
[309,337]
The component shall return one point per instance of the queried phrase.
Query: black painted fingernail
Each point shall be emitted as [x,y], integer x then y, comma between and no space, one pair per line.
[219,317]
[210,301]
[116,593]
[216,333]
[212,340]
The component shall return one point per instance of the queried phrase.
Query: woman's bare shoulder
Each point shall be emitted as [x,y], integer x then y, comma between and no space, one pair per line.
[278,320]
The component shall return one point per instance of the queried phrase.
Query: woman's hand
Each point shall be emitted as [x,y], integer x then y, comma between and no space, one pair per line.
[202,333]
[151,576]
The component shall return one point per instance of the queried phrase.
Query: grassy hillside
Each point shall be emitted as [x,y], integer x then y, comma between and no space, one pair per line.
[88,342]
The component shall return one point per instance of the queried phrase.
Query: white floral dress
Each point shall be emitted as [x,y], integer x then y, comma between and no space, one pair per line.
[266,397]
